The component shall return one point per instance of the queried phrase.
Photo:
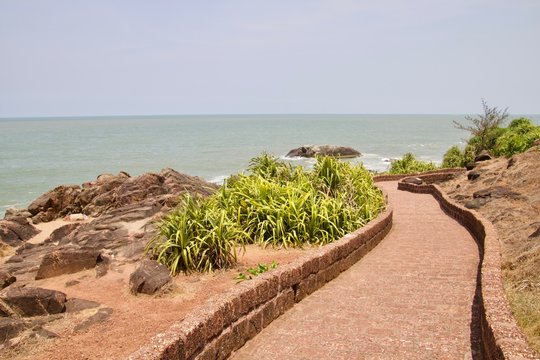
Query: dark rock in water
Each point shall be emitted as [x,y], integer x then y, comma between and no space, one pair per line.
[470,166]
[6,279]
[309,151]
[10,328]
[412,180]
[149,277]
[496,192]
[476,203]
[14,230]
[473,175]
[33,301]
[61,262]
[483,156]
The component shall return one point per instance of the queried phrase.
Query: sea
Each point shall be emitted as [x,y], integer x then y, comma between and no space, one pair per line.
[38,154]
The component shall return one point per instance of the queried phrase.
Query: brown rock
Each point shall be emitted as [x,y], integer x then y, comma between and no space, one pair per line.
[470,166]
[30,301]
[496,192]
[15,230]
[473,175]
[61,262]
[483,156]
[476,203]
[57,202]
[412,180]
[62,232]
[10,328]
[76,305]
[6,279]
[149,277]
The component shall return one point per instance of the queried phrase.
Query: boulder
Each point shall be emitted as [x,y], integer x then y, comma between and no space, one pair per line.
[6,279]
[149,277]
[68,261]
[470,166]
[483,156]
[14,230]
[54,203]
[473,175]
[33,301]
[62,232]
[412,180]
[476,203]
[309,151]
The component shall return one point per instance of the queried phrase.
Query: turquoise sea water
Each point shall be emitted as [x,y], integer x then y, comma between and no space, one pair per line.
[40,153]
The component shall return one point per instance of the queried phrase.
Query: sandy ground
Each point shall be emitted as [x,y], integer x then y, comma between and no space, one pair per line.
[135,319]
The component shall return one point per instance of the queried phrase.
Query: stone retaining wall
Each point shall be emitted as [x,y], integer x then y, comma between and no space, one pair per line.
[428,176]
[501,337]
[224,323]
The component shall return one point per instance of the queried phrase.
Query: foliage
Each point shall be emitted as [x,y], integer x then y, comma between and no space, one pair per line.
[408,164]
[255,271]
[276,204]
[198,236]
[518,137]
[484,128]
[455,158]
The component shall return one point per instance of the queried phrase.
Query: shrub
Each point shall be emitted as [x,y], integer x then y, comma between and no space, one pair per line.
[484,128]
[519,136]
[454,157]
[277,205]
[408,164]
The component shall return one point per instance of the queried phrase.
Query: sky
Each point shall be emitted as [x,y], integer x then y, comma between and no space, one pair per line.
[105,57]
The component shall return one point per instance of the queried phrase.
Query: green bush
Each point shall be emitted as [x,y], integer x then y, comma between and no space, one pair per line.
[408,164]
[277,205]
[455,158]
[518,137]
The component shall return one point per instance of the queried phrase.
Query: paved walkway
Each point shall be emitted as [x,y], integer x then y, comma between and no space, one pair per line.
[409,298]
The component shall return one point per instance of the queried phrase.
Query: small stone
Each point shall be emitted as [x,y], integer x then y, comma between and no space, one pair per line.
[10,328]
[476,203]
[470,166]
[412,180]
[483,156]
[473,175]
[76,305]
[6,279]
[149,277]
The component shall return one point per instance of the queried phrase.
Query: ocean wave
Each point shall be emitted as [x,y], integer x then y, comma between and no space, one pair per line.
[219,180]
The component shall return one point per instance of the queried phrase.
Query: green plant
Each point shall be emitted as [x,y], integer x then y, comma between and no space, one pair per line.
[255,271]
[454,157]
[275,205]
[484,128]
[518,137]
[408,164]
[198,236]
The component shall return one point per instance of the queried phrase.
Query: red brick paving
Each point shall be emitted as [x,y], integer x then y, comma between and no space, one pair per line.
[410,298]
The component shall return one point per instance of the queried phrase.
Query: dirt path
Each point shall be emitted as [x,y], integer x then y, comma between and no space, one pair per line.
[410,298]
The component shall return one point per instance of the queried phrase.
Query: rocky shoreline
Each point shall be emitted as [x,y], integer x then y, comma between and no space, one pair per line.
[100,225]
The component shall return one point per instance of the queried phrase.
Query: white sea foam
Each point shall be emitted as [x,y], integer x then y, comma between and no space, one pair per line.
[219,180]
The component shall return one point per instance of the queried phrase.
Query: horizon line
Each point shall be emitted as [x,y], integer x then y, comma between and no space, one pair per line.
[227,114]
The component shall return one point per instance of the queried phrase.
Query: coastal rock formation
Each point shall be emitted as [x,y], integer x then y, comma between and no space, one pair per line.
[309,151]
[112,192]
[67,261]
[14,230]
[32,301]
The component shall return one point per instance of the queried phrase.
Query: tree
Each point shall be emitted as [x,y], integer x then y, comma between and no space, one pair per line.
[484,127]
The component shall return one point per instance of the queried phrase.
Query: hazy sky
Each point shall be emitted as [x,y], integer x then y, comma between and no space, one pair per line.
[106,57]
